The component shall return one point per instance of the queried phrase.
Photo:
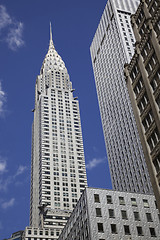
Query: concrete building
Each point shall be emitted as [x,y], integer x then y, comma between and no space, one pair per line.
[58,174]
[111,48]
[106,214]
[16,235]
[143,82]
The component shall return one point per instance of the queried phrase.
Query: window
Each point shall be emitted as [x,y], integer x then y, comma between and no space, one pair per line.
[100,227]
[124,214]
[139,231]
[126,230]
[143,102]
[109,199]
[111,213]
[133,202]
[153,8]
[134,72]
[149,217]
[57,233]
[155,80]
[96,198]
[158,101]
[152,232]
[140,17]
[151,64]
[136,216]
[98,212]
[121,201]
[138,87]
[147,120]
[113,228]
[145,203]
[153,139]
[156,202]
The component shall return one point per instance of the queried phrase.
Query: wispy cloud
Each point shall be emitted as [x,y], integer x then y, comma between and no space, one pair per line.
[6,181]
[14,29]
[2,166]
[5,19]
[2,100]
[20,170]
[94,163]
[8,204]
[14,38]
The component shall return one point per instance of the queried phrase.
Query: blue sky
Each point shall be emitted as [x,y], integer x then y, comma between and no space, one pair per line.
[24,39]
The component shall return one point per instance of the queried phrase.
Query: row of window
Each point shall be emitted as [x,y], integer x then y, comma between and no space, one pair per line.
[124,215]
[126,230]
[46,232]
[121,201]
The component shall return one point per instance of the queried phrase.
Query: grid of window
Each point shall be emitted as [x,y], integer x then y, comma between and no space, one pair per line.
[115,107]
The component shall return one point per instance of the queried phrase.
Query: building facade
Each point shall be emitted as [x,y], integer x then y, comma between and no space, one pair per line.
[104,214]
[58,174]
[111,48]
[143,82]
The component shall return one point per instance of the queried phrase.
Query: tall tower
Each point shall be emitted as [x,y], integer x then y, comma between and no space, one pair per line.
[58,174]
[143,82]
[111,48]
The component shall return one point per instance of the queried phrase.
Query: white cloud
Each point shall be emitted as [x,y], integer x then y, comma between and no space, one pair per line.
[8,204]
[94,162]
[14,38]
[13,29]
[2,99]
[5,182]
[5,19]
[2,166]
[20,170]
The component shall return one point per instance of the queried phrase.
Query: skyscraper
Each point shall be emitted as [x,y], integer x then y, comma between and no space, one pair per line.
[143,82]
[58,174]
[111,48]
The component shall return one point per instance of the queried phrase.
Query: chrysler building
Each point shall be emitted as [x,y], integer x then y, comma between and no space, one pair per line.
[58,174]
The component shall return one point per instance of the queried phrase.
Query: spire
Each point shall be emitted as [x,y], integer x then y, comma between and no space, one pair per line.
[51,45]
[50,32]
